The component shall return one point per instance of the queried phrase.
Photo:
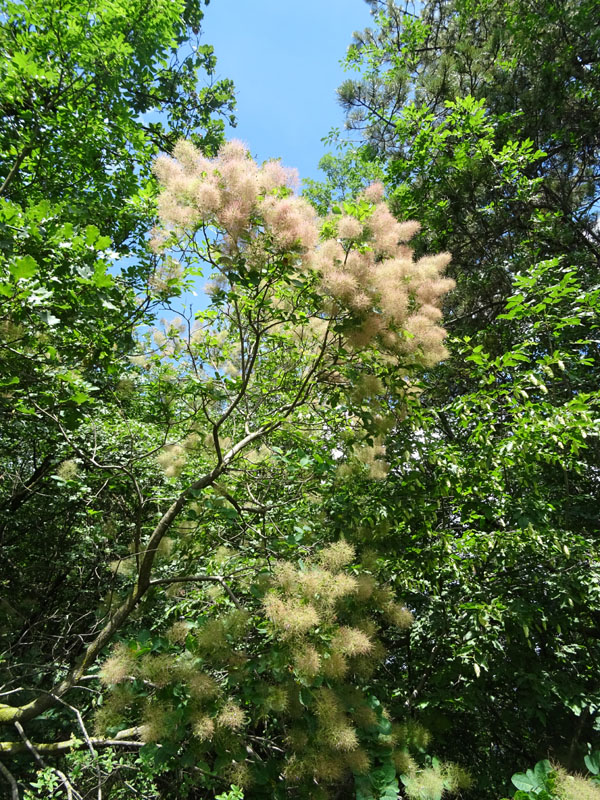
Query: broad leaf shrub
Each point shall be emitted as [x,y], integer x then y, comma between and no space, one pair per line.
[290,667]
[549,782]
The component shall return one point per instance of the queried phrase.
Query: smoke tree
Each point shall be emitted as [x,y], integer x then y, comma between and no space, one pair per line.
[239,657]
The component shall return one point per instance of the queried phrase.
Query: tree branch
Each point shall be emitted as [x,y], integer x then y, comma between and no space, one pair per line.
[68,745]
[197,579]
[40,761]
[14,789]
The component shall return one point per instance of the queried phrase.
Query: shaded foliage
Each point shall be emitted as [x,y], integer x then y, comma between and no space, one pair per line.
[488,513]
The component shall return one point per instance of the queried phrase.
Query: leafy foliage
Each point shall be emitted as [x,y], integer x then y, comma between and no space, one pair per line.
[273,693]
[289,544]
[485,129]
[489,508]
[548,782]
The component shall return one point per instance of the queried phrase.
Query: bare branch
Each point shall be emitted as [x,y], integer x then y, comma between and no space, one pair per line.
[14,789]
[40,761]
[68,745]
[197,579]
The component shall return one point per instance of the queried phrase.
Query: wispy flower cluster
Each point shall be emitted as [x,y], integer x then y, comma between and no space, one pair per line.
[369,269]
[308,683]
[368,276]
[234,195]
[435,781]
[120,664]
[371,456]
[172,459]
[290,617]
[322,612]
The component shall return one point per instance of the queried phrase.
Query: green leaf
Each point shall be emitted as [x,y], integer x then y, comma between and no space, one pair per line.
[363,787]
[542,769]
[533,780]
[24,267]
[49,318]
[592,762]
[103,280]
[80,397]
[525,781]
[91,234]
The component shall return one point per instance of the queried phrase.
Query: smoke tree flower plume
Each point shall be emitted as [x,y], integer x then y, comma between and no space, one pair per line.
[368,280]
[301,667]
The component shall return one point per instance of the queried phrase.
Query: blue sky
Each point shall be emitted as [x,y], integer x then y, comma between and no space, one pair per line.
[283,56]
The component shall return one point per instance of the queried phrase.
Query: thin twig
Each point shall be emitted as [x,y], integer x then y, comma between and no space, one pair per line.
[41,763]
[14,789]
[87,740]
[198,579]
[29,746]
